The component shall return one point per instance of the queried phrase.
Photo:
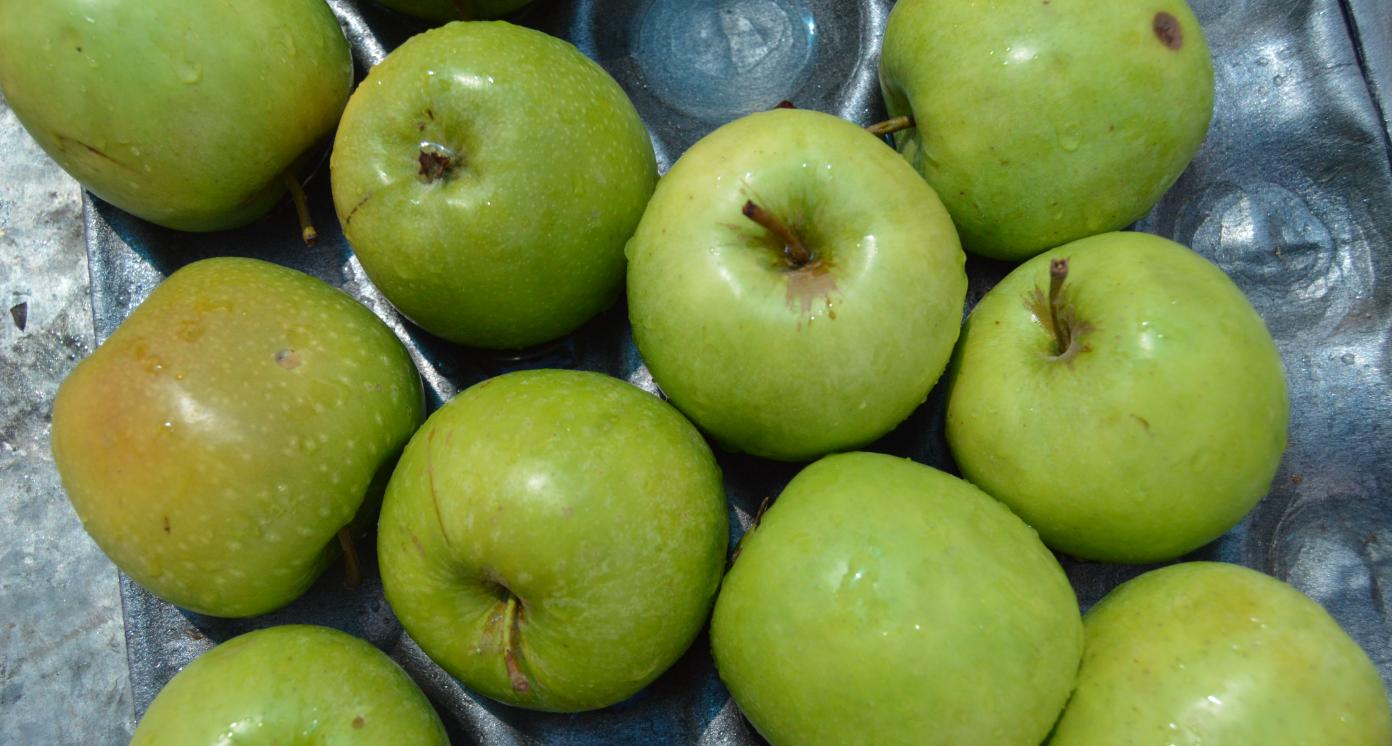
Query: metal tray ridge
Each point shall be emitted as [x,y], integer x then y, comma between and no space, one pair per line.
[1291,195]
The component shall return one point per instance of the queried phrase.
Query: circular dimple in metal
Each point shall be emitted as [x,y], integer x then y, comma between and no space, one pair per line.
[720,59]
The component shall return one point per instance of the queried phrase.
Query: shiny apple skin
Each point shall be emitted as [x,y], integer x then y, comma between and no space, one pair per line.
[1043,122]
[1205,654]
[235,421]
[787,363]
[1163,430]
[881,601]
[568,517]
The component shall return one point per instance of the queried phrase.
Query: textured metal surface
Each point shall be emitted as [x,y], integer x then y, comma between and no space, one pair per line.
[1292,195]
[63,676]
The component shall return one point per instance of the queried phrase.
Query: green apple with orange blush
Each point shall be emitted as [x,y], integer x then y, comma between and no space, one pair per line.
[233,433]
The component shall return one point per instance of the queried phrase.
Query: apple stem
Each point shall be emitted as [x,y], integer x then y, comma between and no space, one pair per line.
[890,126]
[794,251]
[510,620]
[297,196]
[1058,272]
[352,571]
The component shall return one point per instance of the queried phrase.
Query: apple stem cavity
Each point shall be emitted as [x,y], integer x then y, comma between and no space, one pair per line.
[795,253]
[297,196]
[890,126]
[352,570]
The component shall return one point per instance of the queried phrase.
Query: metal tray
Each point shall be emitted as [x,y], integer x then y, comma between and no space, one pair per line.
[1291,195]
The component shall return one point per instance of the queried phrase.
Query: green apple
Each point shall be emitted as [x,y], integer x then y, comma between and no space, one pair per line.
[1122,396]
[218,442]
[440,11]
[882,601]
[1208,653]
[192,115]
[554,538]
[793,286]
[488,176]
[296,684]
[1043,122]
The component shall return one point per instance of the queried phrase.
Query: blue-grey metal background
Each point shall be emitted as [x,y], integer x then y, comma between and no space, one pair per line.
[1291,195]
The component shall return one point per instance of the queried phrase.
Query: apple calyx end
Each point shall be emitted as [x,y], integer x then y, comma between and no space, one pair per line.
[795,252]
[436,164]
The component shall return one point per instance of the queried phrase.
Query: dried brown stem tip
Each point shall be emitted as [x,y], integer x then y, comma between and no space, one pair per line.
[794,251]
[890,126]
[297,196]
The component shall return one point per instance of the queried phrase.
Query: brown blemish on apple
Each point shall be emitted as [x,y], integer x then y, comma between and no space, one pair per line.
[434,166]
[430,475]
[809,283]
[166,524]
[288,359]
[358,722]
[64,142]
[419,546]
[1168,30]
[1144,422]
[356,207]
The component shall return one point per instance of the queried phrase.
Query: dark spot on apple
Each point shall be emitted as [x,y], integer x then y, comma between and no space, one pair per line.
[19,314]
[166,524]
[356,207]
[1005,162]
[1111,128]
[358,722]
[288,359]
[434,166]
[430,113]
[434,494]
[419,546]
[1168,30]
[64,142]
[1144,422]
